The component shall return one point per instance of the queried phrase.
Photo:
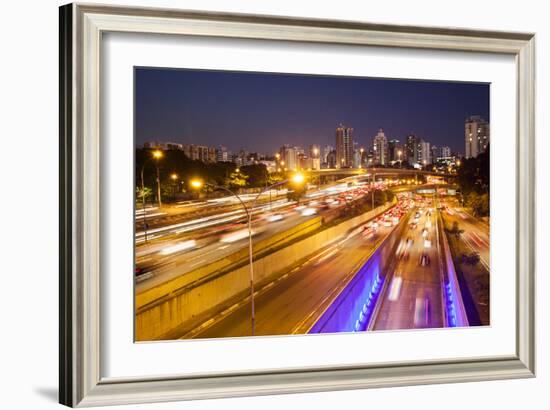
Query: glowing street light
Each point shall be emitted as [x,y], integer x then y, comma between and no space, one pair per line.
[298,178]
[196,184]
[156,155]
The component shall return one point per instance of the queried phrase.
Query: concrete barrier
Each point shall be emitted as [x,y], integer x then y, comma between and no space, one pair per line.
[157,319]
[454,304]
[228,262]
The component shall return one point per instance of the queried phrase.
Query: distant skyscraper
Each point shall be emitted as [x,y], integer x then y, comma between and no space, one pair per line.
[344,147]
[324,158]
[394,148]
[444,152]
[357,158]
[331,159]
[380,148]
[425,153]
[222,154]
[476,135]
[411,149]
[315,156]
[289,157]
[435,151]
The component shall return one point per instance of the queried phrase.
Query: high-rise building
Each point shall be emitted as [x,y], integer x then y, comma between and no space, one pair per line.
[395,151]
[424,153]
[197,152]
[344,147]
[315,156]
[331,159]
[324,158]
[476,135]
[222,154]
[380,148]
[411,149]
[444,152]
[289,157]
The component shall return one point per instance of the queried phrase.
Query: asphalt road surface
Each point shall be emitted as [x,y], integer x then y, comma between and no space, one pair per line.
[413,295]
[283,307]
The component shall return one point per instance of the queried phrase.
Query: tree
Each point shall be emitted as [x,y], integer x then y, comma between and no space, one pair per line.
[143,194]
[257,175]
[236,180]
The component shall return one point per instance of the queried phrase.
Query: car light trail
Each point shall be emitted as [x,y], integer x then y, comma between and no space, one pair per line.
[395,288]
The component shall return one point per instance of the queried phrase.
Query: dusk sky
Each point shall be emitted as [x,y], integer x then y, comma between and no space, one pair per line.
[260,112]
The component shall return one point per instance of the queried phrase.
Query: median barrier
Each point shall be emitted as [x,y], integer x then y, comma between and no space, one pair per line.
[351,309]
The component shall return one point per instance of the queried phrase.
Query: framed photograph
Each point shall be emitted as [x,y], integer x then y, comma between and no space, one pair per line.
[260,205]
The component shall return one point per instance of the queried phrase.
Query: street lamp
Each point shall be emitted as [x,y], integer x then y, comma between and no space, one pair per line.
[174,178]
[296,179]
[157,154]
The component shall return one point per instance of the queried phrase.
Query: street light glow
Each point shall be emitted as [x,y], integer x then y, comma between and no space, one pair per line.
[298,178]
[196,184]
[157,154]
[174,176]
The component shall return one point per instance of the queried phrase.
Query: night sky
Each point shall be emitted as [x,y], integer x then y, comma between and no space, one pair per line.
[260,112]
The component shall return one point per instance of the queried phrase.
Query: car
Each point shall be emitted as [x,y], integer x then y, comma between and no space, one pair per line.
[424,259]
[143,272]
[309,211]
[275,217]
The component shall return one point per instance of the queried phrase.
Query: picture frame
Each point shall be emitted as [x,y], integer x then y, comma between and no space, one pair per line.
[82,27]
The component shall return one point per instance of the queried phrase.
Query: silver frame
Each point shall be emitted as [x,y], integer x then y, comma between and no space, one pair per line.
[81,30]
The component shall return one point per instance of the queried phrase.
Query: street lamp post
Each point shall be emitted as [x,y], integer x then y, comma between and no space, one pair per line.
[298,179]
[157,154]
[174,178]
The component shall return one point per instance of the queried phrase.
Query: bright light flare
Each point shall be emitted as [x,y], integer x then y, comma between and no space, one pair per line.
[298,178]
[196,184]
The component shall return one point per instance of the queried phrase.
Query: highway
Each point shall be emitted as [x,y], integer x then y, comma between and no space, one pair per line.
[185,246]
[281,307]
[291,303]
[413,296]
[475,232]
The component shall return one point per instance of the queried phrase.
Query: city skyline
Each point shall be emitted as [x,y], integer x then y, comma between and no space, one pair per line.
[207,108]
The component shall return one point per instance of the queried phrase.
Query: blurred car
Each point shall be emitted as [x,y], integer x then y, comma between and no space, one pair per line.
[424,259]
[309,211]
[275,217]
[143,272]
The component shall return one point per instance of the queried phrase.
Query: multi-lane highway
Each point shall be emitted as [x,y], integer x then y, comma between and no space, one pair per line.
[475,232]
[180,247]
[413,296]
[291,303]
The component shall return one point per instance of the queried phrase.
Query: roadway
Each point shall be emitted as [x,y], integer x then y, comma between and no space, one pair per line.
[188,245]
[413,295]
[282,306]
[476,233]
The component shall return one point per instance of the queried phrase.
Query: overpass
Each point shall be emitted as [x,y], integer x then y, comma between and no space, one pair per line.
[376,171]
